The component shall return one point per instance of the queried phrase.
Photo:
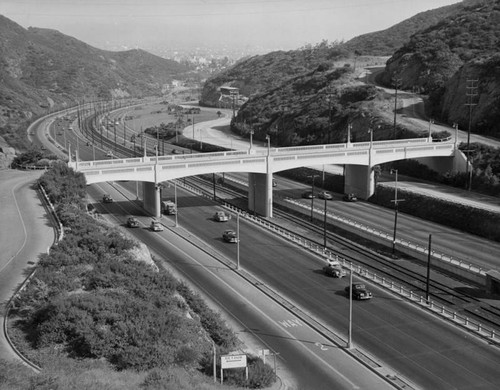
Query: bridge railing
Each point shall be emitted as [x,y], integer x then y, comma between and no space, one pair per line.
[387,146]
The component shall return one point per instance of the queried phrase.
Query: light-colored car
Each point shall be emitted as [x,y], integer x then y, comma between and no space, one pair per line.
[221,216]
[230,236]
[156,226]
[334,270]
[325,195]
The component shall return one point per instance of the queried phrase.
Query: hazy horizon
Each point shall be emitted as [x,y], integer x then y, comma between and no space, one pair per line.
[271,24]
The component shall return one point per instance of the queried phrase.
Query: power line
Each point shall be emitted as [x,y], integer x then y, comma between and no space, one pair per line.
[470,94]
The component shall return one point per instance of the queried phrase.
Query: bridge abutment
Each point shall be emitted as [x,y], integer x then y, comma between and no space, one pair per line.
[151,198]
[442,165]
[359,180]
[260,193]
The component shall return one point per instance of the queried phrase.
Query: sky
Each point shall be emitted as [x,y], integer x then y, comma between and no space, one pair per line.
[273,24]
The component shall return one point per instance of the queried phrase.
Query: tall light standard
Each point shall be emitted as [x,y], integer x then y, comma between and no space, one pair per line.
[312,194]
[428,279]
[396,200]
[176,205]
[431,122]
[324,226]
[268,138]
[192,120]
[349,332]
[132,139]
[251,140]
[238,241]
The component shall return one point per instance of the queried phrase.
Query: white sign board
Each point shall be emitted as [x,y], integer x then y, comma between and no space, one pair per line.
[233,361]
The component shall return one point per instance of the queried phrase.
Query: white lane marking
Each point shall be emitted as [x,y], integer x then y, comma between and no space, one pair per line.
[22,223]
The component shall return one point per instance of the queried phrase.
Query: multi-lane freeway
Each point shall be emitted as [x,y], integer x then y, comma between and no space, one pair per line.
[418,346]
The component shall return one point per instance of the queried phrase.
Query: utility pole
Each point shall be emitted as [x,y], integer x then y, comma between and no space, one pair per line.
[470,93]
[396,82]
[396,200]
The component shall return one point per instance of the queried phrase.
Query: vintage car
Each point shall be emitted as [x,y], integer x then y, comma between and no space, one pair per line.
[359,291]
[221,216]
[156,226]
[325,195]
[350,198]
[106,198]
[230,236]
[132,222]
[334,269]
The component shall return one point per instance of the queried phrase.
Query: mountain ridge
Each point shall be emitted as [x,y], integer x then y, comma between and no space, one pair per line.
[43,69]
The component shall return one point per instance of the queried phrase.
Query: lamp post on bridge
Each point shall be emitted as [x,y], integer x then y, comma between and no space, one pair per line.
[431,122]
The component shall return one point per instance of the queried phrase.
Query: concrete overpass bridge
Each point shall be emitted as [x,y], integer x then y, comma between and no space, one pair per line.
[358,158]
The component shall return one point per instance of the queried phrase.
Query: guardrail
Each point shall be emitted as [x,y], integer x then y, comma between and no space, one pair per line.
[58,237]
[470,267]
[466,323]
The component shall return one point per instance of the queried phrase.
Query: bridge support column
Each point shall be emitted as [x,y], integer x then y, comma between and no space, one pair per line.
[260,193]
[152,199]
[359,180]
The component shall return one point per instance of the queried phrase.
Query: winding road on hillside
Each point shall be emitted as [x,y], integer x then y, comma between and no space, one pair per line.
[411,113]
[25,233]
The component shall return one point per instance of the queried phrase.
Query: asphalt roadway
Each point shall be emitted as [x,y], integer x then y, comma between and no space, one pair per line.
[25,233]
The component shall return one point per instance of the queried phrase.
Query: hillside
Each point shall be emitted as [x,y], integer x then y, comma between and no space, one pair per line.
[440,59]
[43,69]
[386,42]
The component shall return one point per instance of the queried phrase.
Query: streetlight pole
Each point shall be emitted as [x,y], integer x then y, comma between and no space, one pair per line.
[396,200]
[176,205]
[349,332]
[192,112]
[427,284]
[324,226]
[238,241]
[312,195]
[251,139]
[268,138]
[431,121]
[455,126]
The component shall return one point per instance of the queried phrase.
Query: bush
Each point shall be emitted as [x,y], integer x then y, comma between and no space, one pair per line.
[260,375]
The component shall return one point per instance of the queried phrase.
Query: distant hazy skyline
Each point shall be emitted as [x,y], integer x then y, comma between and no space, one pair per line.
[271,24]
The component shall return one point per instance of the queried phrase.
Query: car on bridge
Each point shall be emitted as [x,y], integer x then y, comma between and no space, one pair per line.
[106,198]
[230,236]
[221,216]
[335,270]
[156,226]
[132,222]
[350,198]
[359,291]
[325,195]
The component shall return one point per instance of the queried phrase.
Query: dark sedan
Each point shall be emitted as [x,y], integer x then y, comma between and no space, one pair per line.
[359,291]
